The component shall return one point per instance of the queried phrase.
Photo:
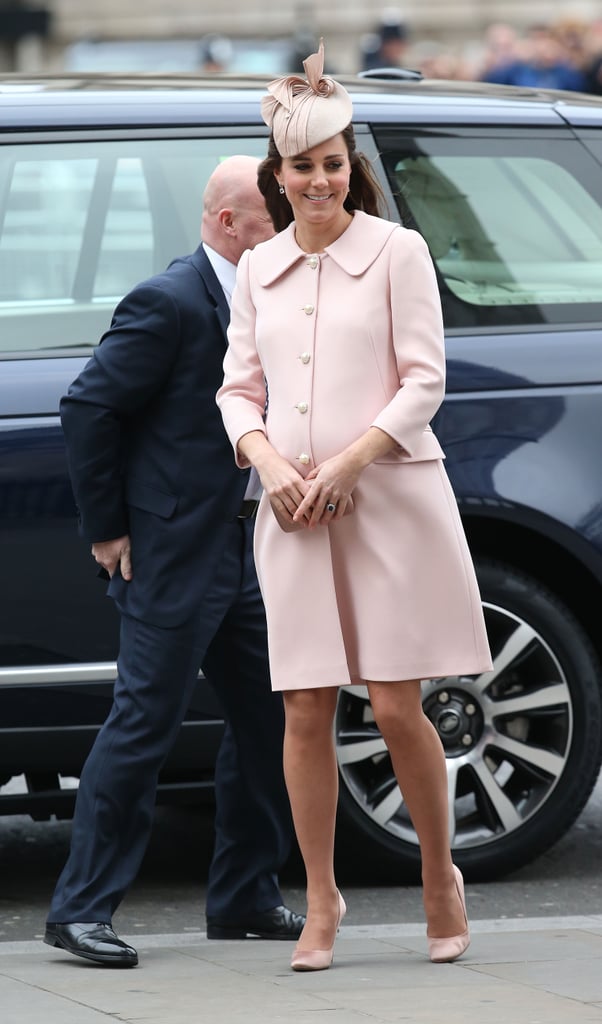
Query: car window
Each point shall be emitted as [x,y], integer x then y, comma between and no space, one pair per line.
[515,229]
[43,251]
[82,222]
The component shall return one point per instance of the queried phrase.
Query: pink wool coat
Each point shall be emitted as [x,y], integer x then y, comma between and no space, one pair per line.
[346,339]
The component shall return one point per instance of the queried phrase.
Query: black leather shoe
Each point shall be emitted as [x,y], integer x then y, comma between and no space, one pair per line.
[97,942]
[278,923]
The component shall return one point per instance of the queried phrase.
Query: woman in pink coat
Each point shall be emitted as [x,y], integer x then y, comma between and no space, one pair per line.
[335,368]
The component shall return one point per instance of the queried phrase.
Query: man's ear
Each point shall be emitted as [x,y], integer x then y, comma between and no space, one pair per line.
[226,220]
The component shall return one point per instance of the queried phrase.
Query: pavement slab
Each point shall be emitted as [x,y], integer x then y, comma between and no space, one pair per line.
[537,971]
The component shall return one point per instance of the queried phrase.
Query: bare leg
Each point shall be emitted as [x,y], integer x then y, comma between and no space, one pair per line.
[310,770]
[419,765]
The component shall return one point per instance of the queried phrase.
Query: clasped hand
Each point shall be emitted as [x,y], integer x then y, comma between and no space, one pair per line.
[306,500]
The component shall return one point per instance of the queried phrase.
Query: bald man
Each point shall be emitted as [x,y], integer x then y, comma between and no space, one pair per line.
[169,519]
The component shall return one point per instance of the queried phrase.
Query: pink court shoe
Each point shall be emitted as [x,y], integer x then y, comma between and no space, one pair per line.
[317,959]
[443,951]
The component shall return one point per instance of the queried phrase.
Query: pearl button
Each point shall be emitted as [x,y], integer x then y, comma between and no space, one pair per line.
[308,310]
[305,357]
[304,458]
[312,262]
[302,406]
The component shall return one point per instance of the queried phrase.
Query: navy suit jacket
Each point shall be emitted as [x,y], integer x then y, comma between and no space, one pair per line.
[148,454]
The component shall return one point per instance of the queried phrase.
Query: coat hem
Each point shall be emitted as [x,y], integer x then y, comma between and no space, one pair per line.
[381,675]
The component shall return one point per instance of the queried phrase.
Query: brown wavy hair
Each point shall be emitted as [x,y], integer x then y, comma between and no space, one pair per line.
[364,194]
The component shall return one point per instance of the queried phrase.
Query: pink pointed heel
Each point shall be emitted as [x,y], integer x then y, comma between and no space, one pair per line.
[443,951]
[317,959]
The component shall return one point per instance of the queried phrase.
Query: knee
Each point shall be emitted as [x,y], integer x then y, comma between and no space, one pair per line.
[395,717]
[388,719]
[309,713]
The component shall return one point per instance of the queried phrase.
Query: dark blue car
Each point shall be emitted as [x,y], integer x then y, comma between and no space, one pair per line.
[100,186]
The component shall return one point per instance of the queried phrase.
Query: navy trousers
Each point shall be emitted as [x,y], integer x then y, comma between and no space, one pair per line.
[157,670]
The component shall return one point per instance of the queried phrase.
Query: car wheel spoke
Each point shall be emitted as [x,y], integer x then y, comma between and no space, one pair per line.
[452,785]
[361,750]
[536,758]
[387,808]
[502,806]
[516,645]
[544,697]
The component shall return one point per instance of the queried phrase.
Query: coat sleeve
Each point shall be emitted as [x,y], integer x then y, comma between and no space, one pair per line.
[127,369]
[418,341]
[242,396]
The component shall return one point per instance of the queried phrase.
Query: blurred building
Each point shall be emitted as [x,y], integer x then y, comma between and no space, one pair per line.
[252,37]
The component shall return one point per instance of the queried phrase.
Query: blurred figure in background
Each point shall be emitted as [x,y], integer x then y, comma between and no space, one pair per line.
[437,61]
[501,48]
[572,35]
[303,41]
[594,76]
[541,62]
[593,71]
[216,53]
[387,47]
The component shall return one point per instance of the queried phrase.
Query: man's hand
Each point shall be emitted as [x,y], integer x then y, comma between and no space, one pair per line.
[109,553]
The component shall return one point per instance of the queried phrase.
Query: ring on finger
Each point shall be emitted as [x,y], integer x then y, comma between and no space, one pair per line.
[331,507]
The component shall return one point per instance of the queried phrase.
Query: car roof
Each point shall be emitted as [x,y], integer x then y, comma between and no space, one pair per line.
[170,100]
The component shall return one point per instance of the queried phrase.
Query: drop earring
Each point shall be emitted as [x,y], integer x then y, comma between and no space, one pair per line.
[281,190]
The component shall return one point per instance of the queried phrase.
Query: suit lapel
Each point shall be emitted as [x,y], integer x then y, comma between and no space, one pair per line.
[216,292]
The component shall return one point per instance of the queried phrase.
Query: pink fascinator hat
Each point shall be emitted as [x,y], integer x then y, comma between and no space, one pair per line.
[303,113]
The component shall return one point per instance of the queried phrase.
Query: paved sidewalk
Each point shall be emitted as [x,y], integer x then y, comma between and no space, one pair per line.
[537,971]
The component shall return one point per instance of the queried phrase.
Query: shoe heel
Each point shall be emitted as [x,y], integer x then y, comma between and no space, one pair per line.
[444,951]
[318,959]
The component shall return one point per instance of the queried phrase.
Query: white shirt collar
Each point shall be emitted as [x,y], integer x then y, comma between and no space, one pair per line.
[224,271]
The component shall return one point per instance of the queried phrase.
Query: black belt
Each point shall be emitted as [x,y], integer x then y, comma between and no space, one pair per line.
[247,509]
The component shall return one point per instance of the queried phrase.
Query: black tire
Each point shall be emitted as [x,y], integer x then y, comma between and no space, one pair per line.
[523,744]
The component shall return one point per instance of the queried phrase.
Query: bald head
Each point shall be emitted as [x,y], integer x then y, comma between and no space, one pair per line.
[234,213]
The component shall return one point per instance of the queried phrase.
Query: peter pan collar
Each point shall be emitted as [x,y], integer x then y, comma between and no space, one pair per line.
[354,251]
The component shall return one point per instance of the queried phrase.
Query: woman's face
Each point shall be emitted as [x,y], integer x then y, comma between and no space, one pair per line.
[316,183]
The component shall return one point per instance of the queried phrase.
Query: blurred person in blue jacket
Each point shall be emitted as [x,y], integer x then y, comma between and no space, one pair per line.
[541,63]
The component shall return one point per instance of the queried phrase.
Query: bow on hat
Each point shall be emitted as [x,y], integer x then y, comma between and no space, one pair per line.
[301,112]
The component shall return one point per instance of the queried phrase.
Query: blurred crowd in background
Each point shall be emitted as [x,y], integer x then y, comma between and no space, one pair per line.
[565,52]
[562,54]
